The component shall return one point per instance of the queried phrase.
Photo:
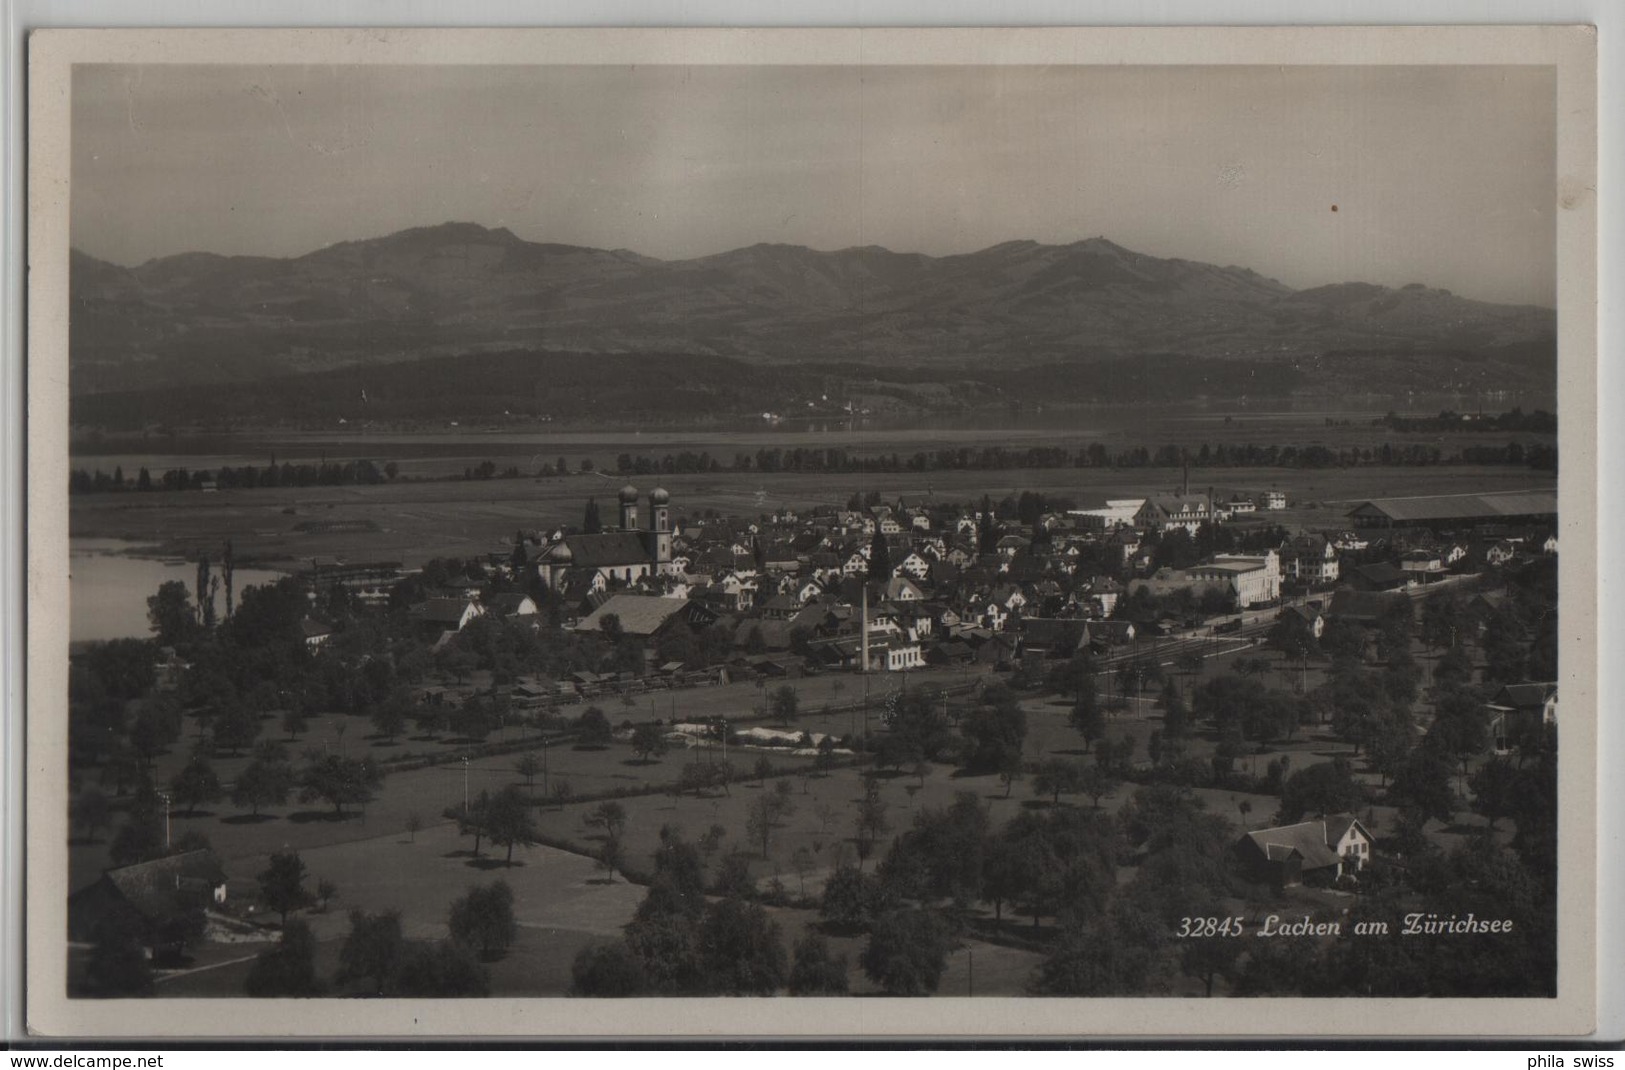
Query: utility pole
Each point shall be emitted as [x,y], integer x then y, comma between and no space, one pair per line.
[465,784]
[165,797]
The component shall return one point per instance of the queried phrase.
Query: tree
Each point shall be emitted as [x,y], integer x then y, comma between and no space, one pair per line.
[593,728]
[282,884]
[607,970]
[871,820]
[287,967]
[785,701]
[649,742]
[880,564]
[414,825]
[997,728]
[439,970]
[907,952]
[761,819]
[389,717]
[1494,786]
[294,722]
[235,727]
[171,614]
[847,901]
[591,522]
[372,948]
[1208,958]
[742,950]
[340,780]
[611,817]
[1056,777]
[507,821]
[1422,784]
[91,812]
[266,781]
[118,964]
[196,783]
[484,919]
[1094,782]
[1087,717]
[1325,788]
[813,972]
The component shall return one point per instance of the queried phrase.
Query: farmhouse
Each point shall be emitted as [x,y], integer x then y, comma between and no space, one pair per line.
[1318,851]
[156,899]
[1517,710]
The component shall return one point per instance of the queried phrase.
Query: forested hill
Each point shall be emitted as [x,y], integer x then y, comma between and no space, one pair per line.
[461,288]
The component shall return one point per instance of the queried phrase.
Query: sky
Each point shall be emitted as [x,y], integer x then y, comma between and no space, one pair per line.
[1310,175]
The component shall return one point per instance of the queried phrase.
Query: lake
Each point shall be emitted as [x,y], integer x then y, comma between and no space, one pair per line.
[109,584]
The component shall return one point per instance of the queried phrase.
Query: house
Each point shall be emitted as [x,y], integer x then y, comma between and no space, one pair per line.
[160,900]
[315,632]
[644,616]
[913,566]
[446,614]
[1313,621]
[1170,511]
[1318,851]
[511,604]
[1105,634]
[1381,576]
[1421,566]
[1310,559]
[1274,499]
[1519,710]
[1363,607]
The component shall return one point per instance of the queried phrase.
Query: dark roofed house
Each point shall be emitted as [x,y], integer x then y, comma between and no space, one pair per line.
[1363,607]
[512,604]
[1519,711]
[645,615]
[162,900]
[446,614]
[1319,851]
[1381,576]
[315,632]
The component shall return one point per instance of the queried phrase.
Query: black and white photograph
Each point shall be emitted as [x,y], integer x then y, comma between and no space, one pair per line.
[1048,532]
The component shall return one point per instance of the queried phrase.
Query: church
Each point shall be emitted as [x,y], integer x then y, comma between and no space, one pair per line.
[626,554]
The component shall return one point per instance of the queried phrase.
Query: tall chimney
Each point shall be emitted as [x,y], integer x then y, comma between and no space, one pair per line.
[1185,490]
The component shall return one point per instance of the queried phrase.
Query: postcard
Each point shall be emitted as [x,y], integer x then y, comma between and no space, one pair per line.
[532,531]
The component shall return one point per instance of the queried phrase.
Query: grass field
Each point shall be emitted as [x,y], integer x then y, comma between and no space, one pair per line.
[564,900]
[415,521]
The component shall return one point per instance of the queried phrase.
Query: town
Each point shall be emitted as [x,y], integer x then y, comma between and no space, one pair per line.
[869,746]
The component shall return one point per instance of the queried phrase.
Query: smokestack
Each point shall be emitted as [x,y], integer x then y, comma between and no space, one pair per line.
[1185,488]
[863,625]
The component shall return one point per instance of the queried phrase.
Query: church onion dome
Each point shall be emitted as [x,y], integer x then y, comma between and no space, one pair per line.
[629,494]
[659,496]
[560,552]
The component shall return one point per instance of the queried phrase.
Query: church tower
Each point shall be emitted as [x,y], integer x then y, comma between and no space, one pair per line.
[629,508]
[660,529]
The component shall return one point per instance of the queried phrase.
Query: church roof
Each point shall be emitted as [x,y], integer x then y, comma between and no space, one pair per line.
[606,549]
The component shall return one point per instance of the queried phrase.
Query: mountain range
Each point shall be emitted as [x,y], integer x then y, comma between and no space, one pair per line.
[461,288]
